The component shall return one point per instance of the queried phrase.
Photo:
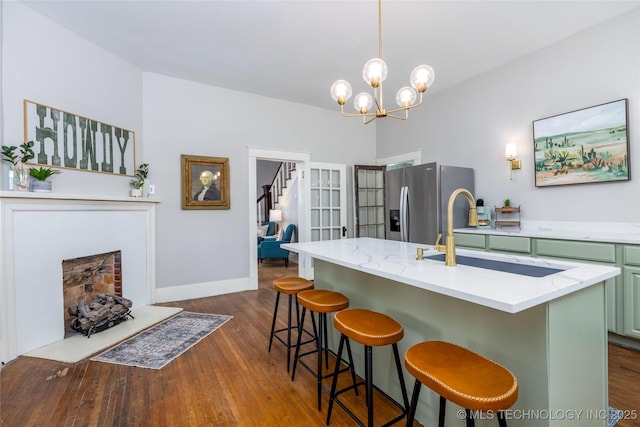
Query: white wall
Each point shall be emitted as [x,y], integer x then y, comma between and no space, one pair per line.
[207,248]
[470,124]
[50,65]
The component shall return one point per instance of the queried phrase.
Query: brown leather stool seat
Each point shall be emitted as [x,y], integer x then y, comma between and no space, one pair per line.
[372,329]
[323,302]
[461,376]
[290,286]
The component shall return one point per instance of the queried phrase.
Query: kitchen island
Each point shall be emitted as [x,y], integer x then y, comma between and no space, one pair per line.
[550,331]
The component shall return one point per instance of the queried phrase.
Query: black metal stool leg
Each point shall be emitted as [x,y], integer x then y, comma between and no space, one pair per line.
[403,387]
[443,407]
[322,327]
[353,370]
[414,403]
[470,421]
[334,383]
[273,323]
[501,419]
[368,362]
[326,340]
[297,353]
[289,330]
[299,342]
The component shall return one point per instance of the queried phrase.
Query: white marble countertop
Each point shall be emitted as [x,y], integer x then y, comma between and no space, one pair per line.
[508,292]
[610,232]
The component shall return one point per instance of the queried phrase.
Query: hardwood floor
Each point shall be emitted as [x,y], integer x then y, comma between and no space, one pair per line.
[624,384]
[228,379]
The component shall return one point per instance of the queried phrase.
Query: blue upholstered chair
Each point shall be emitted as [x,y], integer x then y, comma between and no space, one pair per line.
[272,227]
[270,248]
[271,230]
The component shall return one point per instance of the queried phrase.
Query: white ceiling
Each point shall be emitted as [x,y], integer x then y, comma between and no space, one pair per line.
[294,50]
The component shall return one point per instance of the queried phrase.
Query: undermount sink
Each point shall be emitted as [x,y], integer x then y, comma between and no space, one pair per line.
[504,266]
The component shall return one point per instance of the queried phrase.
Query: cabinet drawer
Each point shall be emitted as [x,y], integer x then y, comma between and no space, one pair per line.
[589,251]
[469,240]
[510,244]
[631,255]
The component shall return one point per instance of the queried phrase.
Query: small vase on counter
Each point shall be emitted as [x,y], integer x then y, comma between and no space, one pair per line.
[18,178]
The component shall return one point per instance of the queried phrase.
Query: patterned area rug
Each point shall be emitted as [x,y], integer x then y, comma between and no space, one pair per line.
[159,345]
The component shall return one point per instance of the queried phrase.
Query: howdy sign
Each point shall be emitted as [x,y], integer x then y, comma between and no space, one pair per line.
[68,140]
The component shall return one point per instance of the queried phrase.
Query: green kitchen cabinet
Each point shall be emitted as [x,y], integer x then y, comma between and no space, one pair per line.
[520,245]
[631,291]
[470,241]
[572,249]
[623,292]
[632,301]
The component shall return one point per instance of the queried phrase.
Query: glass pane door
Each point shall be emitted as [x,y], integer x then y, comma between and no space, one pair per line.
[327,201]
[369,201]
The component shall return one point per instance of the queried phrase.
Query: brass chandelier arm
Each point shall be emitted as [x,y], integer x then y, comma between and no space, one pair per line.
[381,113]
[417,104]
[355,114]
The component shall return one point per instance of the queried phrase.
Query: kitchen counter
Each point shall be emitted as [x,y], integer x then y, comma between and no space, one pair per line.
[584,231]
[397,261]
[549,331]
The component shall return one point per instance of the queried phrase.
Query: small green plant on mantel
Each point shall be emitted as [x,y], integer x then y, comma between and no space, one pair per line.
[141,175]
[42,174]
[506,203]
[18,156]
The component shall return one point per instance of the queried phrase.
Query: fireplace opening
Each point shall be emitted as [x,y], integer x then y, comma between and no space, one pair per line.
[85,281]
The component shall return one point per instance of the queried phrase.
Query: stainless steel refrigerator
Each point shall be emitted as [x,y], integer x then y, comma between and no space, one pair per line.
[416,201]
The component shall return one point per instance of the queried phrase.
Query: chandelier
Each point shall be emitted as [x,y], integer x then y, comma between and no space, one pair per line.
[374,73]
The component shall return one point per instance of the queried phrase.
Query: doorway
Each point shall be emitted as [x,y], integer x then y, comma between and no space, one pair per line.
[302,161]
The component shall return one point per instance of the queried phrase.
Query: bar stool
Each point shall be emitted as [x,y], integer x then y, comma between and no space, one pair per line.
[290,286]
[465,378]
[322,302]
[371,329]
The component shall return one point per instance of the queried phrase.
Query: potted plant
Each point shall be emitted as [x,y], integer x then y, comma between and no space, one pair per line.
[506,203]
[140,180]
[18,156]
[40,175]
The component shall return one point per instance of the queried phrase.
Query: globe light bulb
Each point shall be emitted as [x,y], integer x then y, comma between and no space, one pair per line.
[374,72]
[341,91]
[422,77]
[363,102]
[406,97]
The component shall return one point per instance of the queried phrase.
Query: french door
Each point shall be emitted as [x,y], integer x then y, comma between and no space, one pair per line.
[327,195]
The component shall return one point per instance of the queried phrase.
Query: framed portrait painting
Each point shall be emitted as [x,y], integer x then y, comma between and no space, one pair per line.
[205,182]
[584,146]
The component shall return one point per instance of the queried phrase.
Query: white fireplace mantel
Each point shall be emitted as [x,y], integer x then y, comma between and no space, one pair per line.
[38,231]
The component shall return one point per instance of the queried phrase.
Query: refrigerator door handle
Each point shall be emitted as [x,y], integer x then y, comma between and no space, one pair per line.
[404,214]
[401,214]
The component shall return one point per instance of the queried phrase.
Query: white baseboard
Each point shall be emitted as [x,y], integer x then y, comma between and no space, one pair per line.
[205,289]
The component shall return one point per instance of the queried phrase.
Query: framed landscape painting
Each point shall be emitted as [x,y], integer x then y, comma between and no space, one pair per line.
[584,146]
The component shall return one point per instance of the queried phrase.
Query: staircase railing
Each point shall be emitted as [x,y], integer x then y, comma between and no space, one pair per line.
[272,192]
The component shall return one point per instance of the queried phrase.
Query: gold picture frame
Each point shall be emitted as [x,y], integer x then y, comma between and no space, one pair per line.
[205,182]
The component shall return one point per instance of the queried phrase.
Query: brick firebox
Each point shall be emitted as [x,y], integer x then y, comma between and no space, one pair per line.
[86,277]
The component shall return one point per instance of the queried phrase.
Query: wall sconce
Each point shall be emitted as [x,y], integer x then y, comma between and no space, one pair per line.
[275,215]
[511,152]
